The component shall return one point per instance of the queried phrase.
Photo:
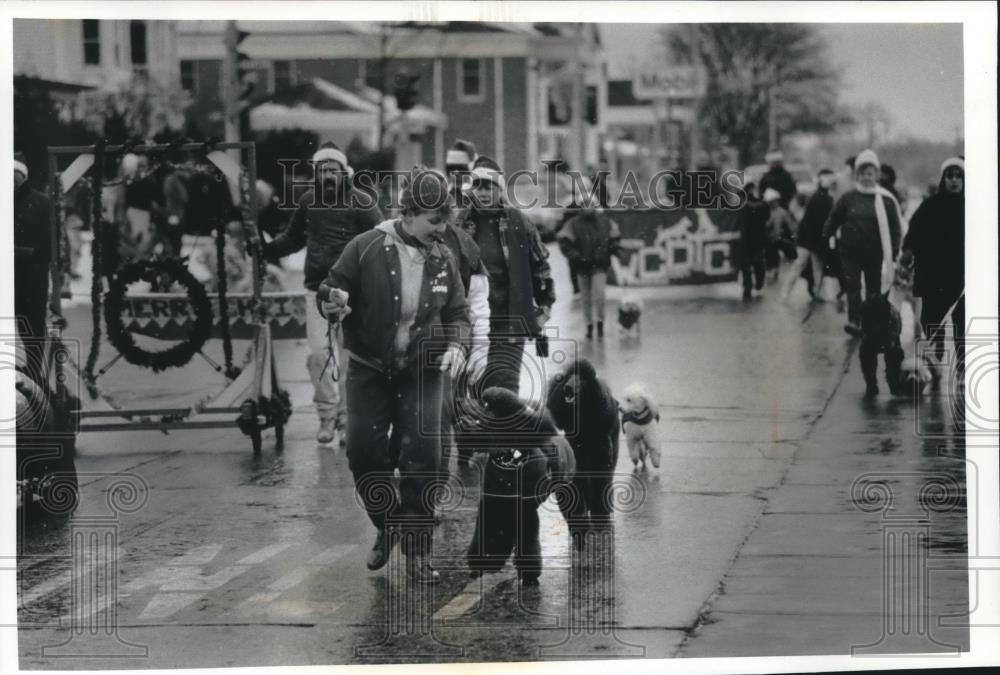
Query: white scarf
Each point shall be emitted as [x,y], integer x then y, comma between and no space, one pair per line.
[888,268]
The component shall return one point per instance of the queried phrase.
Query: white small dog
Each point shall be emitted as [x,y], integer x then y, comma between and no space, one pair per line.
[640,417]
[629,315]
[914,375]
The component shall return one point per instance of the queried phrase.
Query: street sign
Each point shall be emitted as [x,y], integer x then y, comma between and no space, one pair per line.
[673,82]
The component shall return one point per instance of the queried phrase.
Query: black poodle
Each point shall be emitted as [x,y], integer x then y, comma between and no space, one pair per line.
[583,407]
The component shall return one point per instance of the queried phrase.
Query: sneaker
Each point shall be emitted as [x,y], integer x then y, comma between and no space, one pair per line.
[419,570]
[379,555]
[326,431]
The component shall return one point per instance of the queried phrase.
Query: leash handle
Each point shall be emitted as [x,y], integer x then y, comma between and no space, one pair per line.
[332,348]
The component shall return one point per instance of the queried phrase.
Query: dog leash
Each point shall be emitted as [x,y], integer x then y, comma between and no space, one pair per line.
[331,327]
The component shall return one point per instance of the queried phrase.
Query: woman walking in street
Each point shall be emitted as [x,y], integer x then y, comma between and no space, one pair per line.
[588,240]
[868,221]
[810,244]
[398,292]
[935,243]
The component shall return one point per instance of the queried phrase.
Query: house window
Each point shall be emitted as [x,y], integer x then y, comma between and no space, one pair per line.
[187,76]
[283,76]
[137,41]
[471,80]
[91,42]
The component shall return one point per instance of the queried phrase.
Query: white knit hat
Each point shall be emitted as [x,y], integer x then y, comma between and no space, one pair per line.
[770,195]
[953,161]
[774,156]
[21,168]
[865,158]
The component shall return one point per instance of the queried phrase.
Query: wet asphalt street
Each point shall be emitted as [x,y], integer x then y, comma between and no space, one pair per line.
[746,542]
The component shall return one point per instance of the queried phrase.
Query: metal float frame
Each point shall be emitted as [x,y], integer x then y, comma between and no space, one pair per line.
[224,410]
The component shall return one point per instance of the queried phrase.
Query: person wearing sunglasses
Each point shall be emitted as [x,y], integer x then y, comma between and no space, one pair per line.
[397,291]
[521,289]
[935,247]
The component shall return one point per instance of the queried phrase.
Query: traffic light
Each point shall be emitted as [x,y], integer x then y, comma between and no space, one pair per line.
[405,90]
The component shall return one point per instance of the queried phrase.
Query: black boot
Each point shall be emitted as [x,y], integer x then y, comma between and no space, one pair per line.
[600,330]
[590,331]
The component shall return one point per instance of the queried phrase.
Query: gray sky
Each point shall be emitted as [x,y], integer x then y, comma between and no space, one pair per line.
[914,70]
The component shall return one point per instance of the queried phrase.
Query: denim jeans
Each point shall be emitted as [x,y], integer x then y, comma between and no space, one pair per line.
[408,402]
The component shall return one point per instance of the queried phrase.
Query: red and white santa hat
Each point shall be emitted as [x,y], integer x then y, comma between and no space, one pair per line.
[460,155]
[20,166]
[329,152]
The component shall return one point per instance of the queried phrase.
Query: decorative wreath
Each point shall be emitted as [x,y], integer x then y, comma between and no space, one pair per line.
[150,271]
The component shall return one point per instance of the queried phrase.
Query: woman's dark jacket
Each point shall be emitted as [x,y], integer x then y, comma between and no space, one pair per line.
[588,240]
[369,270]
[937,240]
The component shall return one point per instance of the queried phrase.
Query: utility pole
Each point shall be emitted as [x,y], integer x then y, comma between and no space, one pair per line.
[230,84]
[383,65]
[579,121]
[772,119]
[696,103]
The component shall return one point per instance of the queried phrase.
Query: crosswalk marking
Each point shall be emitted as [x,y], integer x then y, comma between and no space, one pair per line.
[60,580]
[264,554]
[163,605]
[256,602]
[199,556]
[469,596]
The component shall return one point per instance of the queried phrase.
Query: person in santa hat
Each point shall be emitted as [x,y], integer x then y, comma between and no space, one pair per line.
[868,221]
[327,217]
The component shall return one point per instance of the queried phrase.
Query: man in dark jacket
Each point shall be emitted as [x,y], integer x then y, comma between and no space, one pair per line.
[32,255]
[328,216]
[752,223]
[778,178]
[521,288]
[399,292]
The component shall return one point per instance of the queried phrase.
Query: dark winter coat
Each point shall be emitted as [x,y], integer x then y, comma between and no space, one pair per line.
[323,231]
[369,270]
[813,219]
[779,179]
[936,239]
[32,226]
[752,222]
[529,284]
[853,216]
[588,240]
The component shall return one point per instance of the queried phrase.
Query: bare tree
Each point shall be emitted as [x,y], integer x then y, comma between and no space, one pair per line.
[750,67]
